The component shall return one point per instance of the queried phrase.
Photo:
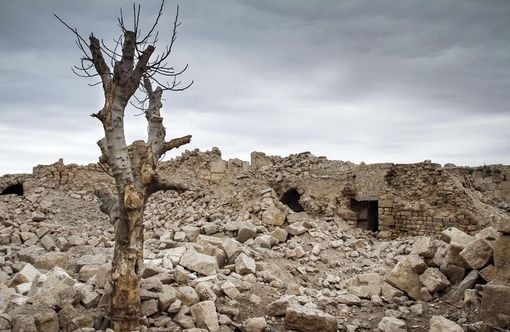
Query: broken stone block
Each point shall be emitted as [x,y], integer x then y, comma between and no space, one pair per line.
[187,295]
[434,280]
[232,249]
[274,216]
[468,282]
[349,299]
[279,307]
[390,292]
[38,216]
[504,225]
[454,273]
[476,254]
[48,242]
[205,291]
[489,273]
[453,234]
[417,263]
[404,278]
[442,324]
[204,314]
[502,257]
[149,307]
[296,228]
[425,247]
[195,261]
[305,319]
[244,264]
[495,306]
[230,290]
[246,231]
[90,299]
[257,324]
[27,274]
[50,260]
[167,297]
[489,234]
[280,234]
[365,285]
[90,260]
[391,324]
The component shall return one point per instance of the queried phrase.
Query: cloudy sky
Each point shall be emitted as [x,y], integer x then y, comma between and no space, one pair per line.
[364,80]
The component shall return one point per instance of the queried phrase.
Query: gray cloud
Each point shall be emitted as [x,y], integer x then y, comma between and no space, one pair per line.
[386,80]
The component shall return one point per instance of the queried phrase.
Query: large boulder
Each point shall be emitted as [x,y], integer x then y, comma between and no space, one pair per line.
[406,279]
[305,319]
[476,254]
[495,307]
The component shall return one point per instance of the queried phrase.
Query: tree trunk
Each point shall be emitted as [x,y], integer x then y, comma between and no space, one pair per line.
[126,271]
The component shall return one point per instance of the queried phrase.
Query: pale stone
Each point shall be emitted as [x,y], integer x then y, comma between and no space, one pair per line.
[204,314]
[391,324]
[203,264]
[305,319]
[476,254]
[442,324]
[404,278]
[434,280]
[365,285]
[244,264]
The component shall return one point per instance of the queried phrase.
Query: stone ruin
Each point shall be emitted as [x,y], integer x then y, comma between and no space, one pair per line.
[297,243]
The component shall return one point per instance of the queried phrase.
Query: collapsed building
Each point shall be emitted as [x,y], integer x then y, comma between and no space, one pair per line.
[256,202]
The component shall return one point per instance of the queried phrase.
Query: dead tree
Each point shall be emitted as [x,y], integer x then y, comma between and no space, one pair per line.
[129,69]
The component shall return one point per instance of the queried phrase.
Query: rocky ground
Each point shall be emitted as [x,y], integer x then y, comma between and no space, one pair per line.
[212,266]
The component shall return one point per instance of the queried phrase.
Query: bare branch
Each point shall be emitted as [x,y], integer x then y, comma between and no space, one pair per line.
[159,184]
[176,143]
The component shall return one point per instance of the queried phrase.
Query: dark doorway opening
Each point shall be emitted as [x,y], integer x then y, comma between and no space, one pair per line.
[291,199]
[16,189]
[367,214]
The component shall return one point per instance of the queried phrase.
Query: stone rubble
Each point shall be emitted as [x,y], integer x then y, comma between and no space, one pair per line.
[229,255]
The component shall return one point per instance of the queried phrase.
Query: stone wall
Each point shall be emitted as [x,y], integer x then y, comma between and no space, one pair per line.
[413,199]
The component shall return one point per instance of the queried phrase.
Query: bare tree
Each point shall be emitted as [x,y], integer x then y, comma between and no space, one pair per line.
[130,70]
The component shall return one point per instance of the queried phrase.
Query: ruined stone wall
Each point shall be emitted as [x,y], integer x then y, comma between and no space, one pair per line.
[492,180]
[413,199]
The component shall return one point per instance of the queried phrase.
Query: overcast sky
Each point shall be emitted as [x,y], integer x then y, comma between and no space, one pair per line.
[364,80]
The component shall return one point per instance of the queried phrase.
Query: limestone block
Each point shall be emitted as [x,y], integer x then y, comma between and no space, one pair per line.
[365,285]
[404,278]
[434,280]
[425,247]
[476,254]
[195,261]
[453,234]
[204,314]
[468,282]
[244,264]
[442,324]
[391,324]
[495,307]
[304,319]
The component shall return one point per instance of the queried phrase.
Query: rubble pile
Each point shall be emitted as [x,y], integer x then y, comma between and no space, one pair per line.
[270,246]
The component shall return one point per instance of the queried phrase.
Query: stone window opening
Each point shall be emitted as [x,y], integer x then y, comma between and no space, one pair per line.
[291,199]
[367,214]
[16,189]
